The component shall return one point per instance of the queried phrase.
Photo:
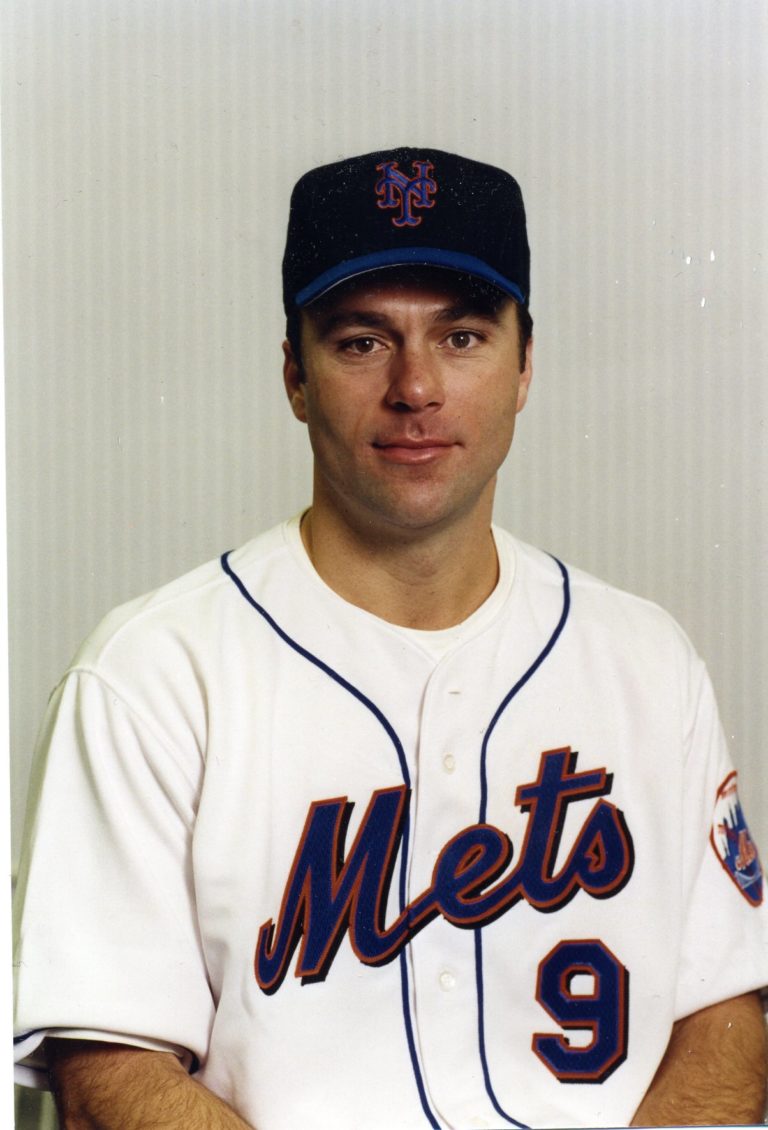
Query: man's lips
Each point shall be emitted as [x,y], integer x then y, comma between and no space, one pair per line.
[406,449]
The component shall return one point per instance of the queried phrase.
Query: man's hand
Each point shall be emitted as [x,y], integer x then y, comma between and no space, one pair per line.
[714,1069]
[102,1086]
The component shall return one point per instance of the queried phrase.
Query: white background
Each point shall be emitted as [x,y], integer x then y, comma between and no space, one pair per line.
[149,151]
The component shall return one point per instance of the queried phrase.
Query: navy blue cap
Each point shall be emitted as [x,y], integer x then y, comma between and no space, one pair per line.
[404,207]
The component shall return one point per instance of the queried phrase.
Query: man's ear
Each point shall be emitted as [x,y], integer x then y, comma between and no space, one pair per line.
[525,376]
[294,383]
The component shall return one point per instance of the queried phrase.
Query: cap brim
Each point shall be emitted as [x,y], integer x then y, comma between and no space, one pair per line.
[404,257]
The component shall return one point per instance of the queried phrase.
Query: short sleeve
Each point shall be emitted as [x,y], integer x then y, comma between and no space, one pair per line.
[106,938]
[725,939]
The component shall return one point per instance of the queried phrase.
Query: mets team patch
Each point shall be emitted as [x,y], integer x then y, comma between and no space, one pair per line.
[733,843]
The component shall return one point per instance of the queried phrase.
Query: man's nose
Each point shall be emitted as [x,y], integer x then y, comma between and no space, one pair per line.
[415,383]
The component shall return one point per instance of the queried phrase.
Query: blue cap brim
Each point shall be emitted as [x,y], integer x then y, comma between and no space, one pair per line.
[403,257]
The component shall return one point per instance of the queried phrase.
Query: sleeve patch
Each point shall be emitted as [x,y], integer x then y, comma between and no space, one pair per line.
[733,843]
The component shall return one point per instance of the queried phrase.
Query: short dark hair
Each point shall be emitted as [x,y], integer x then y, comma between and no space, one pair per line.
[483,295]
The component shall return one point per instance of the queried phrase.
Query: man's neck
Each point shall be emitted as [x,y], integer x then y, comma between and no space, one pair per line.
[430,582]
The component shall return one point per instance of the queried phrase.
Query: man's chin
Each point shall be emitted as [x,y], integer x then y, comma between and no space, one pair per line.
[418,519]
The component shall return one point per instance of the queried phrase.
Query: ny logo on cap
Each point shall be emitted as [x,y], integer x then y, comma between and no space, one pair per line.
[396,190]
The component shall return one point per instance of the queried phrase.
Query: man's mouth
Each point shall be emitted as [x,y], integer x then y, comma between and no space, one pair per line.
[412,450]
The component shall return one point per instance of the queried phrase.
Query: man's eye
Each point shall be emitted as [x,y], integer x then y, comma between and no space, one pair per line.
[462,339]
[361,345]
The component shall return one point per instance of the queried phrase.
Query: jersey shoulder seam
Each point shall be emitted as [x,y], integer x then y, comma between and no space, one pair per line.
[120,696]
[129,614]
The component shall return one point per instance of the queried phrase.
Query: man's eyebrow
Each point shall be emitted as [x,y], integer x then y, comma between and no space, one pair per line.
[468,309]
[332,320]
[337,319]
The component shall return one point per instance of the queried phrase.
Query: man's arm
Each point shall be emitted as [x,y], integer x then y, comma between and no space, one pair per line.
[714,1069]
[114,1087]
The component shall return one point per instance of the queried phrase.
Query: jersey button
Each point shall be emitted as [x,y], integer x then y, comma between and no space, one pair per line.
[447,981]
[449,763]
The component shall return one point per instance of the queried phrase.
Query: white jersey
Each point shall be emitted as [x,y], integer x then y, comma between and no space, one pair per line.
[361,876]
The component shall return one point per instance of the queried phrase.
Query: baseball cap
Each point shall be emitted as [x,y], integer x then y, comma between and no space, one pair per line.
[404,207]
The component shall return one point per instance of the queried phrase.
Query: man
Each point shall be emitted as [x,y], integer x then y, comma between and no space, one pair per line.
[388,820]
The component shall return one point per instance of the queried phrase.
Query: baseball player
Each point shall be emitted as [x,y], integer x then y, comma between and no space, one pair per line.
[386,819]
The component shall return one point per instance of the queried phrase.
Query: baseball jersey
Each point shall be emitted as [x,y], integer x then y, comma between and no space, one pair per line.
[357,875]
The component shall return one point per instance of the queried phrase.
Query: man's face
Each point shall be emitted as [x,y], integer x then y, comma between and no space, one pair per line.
[410,392]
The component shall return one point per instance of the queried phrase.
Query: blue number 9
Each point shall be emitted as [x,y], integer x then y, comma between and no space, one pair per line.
[583,986]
